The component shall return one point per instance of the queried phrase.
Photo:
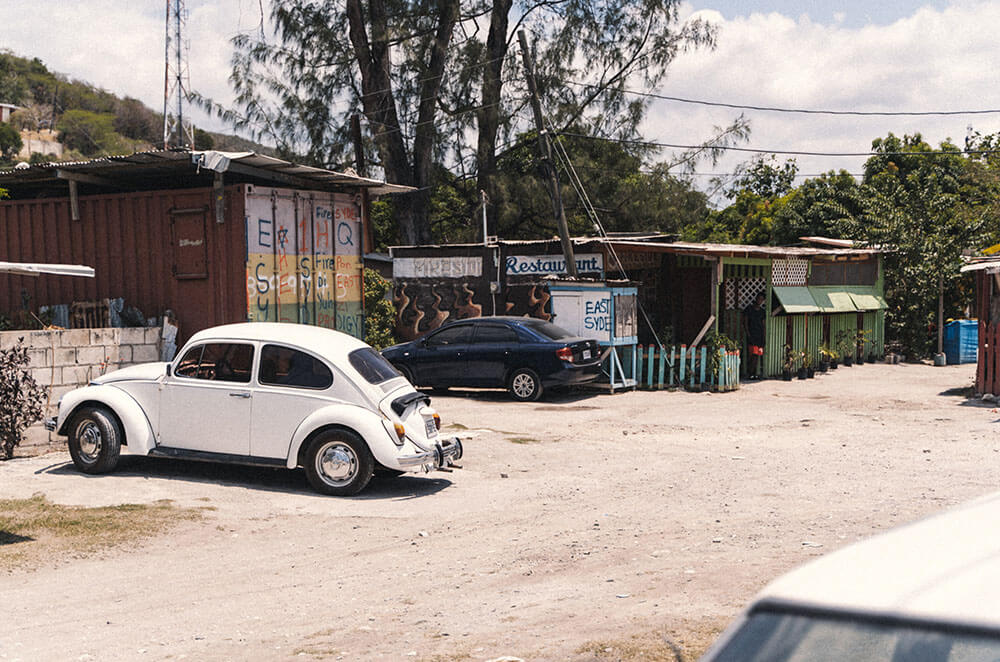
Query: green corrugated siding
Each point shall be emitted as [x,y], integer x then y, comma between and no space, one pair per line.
[814,338]
[846,321]
[774,352]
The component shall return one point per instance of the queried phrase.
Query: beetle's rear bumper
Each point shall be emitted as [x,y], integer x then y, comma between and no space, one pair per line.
[50,424]
[443,455]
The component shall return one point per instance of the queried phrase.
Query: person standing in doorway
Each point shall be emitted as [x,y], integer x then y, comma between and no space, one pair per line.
[753,325]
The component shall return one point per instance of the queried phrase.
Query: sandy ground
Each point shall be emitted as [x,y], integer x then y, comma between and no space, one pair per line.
[581,518]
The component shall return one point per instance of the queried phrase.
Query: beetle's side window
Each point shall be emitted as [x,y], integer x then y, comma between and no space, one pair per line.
[225,362]
[455,335]
[284,366]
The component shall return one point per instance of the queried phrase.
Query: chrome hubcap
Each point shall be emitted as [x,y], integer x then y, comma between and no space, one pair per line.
[523,385]
[336,463]
[90,439]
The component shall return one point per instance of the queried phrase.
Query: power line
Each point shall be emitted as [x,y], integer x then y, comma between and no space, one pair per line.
[783,152]
[803,111]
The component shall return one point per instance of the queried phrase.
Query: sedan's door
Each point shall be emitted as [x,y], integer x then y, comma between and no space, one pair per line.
[490,355]
[205,404]
[440,359]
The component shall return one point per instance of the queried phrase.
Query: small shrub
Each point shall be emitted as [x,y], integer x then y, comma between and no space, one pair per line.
[21,397]
[380,313]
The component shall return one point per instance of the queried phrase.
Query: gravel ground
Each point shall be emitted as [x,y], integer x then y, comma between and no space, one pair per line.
[578,524]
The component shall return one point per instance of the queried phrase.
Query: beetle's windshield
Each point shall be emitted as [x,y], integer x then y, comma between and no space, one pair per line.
[371,365]
[774,636]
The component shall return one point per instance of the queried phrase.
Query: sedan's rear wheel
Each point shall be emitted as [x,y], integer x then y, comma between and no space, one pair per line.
[525,385]
[339,463]
[95,438]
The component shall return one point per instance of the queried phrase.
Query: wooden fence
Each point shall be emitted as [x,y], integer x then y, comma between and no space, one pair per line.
[685,367]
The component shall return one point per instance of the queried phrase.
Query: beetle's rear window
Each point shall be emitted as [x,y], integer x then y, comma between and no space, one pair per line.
[371,365]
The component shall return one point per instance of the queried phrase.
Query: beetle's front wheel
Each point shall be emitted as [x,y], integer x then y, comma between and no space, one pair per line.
[338,463]
[95,438]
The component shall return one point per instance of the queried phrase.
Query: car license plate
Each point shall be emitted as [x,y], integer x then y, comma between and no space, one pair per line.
[586,354]
[430,427]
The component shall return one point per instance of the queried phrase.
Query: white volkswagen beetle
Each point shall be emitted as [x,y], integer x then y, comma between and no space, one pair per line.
[269,394]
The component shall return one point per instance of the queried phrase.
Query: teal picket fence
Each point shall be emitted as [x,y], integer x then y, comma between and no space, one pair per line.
[685,367]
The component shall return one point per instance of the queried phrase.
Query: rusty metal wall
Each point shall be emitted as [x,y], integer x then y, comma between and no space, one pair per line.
[156,249]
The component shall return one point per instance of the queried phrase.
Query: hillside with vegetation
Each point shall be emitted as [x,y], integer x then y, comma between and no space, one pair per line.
[87,120]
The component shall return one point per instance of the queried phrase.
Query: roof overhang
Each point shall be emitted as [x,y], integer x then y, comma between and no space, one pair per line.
[172,169]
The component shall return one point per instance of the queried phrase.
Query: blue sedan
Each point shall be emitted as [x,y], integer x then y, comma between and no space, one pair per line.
[521,354]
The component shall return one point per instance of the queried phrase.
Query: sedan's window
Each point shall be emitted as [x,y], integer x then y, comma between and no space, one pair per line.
[783,637]
[453,335]
[548,330]
[495,333]
[222,362]
[284,366]
[371,365]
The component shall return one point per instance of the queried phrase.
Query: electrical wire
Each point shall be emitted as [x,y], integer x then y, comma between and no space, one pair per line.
[803,111]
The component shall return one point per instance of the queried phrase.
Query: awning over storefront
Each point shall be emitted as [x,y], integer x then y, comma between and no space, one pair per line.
[829,299]
[796,300]
[832,299]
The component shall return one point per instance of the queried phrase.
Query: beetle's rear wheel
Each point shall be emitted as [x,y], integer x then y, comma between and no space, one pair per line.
[95,438]
[338,463]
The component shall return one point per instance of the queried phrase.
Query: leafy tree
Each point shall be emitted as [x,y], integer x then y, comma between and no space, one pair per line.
[92,133]
[920,205]
[459,80]
[820,206]
[10,141]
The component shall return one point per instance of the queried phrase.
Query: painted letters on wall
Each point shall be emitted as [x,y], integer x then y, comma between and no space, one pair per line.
[304,259]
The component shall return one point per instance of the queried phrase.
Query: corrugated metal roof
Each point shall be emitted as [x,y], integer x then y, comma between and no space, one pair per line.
[165,168]
[990,264]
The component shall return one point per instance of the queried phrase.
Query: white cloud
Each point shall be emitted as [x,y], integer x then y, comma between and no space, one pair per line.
[931,60]
[118,45]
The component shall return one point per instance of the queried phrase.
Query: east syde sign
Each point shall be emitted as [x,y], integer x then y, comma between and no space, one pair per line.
[539,265]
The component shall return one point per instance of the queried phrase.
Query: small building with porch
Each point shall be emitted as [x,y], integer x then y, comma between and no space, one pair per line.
[987,275]
[813,296]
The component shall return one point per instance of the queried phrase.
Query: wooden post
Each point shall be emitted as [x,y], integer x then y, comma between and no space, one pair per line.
[546,155]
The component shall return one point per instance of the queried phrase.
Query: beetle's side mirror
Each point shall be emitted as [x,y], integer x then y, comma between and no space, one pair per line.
[168,370]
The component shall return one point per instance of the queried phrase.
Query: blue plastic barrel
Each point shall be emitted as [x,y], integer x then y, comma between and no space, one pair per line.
[961,340]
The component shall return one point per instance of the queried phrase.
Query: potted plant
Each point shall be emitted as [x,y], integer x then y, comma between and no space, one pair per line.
[800,358]
[860,338]
[807,363]
[845,345]
[825,357]
[788,365]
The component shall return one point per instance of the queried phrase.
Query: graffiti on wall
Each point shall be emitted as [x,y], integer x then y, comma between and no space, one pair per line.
[304,260]
[427,304]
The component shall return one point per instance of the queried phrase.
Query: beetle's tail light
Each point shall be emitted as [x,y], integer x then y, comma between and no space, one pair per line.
[565,353]
[437,420]
[400,430]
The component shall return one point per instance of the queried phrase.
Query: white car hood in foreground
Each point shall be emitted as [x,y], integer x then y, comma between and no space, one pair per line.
[144,371]
[944,568]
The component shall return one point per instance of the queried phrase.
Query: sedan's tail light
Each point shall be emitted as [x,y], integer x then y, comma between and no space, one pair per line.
[565,353]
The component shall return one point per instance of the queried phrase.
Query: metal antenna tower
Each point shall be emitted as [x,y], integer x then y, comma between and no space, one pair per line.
[176,132]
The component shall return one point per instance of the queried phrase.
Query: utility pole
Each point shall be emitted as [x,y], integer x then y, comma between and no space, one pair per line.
[176,132]
[545,152]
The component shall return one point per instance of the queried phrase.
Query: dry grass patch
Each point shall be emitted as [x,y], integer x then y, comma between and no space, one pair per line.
[35,531]
[684,644]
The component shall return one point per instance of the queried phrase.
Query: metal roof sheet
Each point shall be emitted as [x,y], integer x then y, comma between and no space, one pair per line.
[159,169]
[832,299]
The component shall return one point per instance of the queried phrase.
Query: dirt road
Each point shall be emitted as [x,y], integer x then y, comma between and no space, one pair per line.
[577,524]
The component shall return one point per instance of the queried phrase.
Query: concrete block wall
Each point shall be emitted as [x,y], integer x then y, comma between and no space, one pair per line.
[62,360]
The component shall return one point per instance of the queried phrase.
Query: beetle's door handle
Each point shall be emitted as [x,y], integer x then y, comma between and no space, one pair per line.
[239,395]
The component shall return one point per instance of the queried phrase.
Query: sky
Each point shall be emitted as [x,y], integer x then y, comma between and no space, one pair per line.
[853,55]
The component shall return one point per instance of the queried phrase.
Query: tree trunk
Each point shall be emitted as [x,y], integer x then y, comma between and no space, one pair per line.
[489,113]
[379,104]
